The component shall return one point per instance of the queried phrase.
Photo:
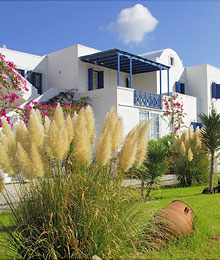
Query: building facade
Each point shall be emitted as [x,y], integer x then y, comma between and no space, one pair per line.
[134,84]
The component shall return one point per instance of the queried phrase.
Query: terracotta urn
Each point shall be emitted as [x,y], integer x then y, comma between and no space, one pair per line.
[174,220]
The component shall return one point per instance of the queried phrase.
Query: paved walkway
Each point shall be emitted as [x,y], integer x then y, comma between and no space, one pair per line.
[12,189]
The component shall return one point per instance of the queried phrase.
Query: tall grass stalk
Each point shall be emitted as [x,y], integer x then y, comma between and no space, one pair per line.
[82,215]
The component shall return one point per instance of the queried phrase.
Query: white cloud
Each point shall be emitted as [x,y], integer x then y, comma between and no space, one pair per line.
[133,24]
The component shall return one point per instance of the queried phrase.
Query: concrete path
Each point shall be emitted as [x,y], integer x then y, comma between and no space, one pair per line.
[12,189]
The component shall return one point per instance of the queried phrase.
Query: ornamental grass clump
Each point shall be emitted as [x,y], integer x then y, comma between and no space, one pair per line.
[191,160]
[74,206]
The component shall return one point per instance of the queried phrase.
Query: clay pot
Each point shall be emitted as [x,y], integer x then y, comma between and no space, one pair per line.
[174,220]
[178,218]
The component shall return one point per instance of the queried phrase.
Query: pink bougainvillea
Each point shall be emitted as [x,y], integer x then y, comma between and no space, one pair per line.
[174,112]
[12,86]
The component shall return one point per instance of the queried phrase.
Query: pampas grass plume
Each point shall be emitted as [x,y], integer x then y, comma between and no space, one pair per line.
[128,152]
[38,169]
[117,135]
[82,144]
[182,149]
[22,135]
[6,128]
[69,126]
[142,141]
[58,116]
[104,148]
[51,138]
[190,154]
[36,129]
[5,161]
[90,124]
[74,119]
[110,120]
[47,123]
[25,162]
[191,132]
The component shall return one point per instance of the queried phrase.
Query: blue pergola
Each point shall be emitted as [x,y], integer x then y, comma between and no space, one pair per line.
[126,62]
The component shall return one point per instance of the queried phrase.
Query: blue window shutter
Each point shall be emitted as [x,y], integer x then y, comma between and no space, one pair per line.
[182,88]
[214,90]
[101,79]
[178,87]
[90,74]
[40,87]
[199,125]
[22,72]
[194,126]
[218,91]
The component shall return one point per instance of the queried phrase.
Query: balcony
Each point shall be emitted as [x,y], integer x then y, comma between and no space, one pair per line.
[146,99]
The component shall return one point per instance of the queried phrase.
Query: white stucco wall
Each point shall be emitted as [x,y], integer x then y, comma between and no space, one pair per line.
[146,82]
[175,73]
[63,68]
[197,85]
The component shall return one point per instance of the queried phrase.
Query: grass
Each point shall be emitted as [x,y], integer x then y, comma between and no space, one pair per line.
[203,243]
[5,225]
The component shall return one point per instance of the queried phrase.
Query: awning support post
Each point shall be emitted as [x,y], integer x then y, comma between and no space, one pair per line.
[130,72]
[118,69]
[168,83]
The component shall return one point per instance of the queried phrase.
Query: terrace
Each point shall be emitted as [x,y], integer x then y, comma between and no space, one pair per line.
[124,62]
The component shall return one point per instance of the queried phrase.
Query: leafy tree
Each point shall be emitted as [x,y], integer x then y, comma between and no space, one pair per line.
[154,166]
[210,137]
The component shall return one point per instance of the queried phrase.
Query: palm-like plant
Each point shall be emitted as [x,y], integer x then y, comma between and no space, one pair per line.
[154,166]
[210,137]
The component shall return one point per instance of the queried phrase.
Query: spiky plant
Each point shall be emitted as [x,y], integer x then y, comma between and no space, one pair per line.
[154,166]
[210,137]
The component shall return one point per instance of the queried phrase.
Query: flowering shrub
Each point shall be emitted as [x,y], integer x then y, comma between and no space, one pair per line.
[12,85]
[174,113]
[65,99]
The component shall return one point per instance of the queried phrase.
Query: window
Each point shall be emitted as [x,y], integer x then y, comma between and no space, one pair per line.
[95,79]
[180,87]
[154,132]
[22,72]
[171,61]
[35,79]
[215,90]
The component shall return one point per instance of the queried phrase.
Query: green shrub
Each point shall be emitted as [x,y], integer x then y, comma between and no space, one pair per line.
[154,165]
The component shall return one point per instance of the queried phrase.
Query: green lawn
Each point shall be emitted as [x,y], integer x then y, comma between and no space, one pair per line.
[204,243]
[5,224]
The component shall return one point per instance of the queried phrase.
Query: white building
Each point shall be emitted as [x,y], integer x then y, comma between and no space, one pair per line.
[133,84]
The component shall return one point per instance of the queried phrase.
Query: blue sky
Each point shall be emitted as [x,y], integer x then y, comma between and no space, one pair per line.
[191,28]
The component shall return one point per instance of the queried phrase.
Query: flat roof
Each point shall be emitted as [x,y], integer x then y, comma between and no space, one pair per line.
[109,59]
